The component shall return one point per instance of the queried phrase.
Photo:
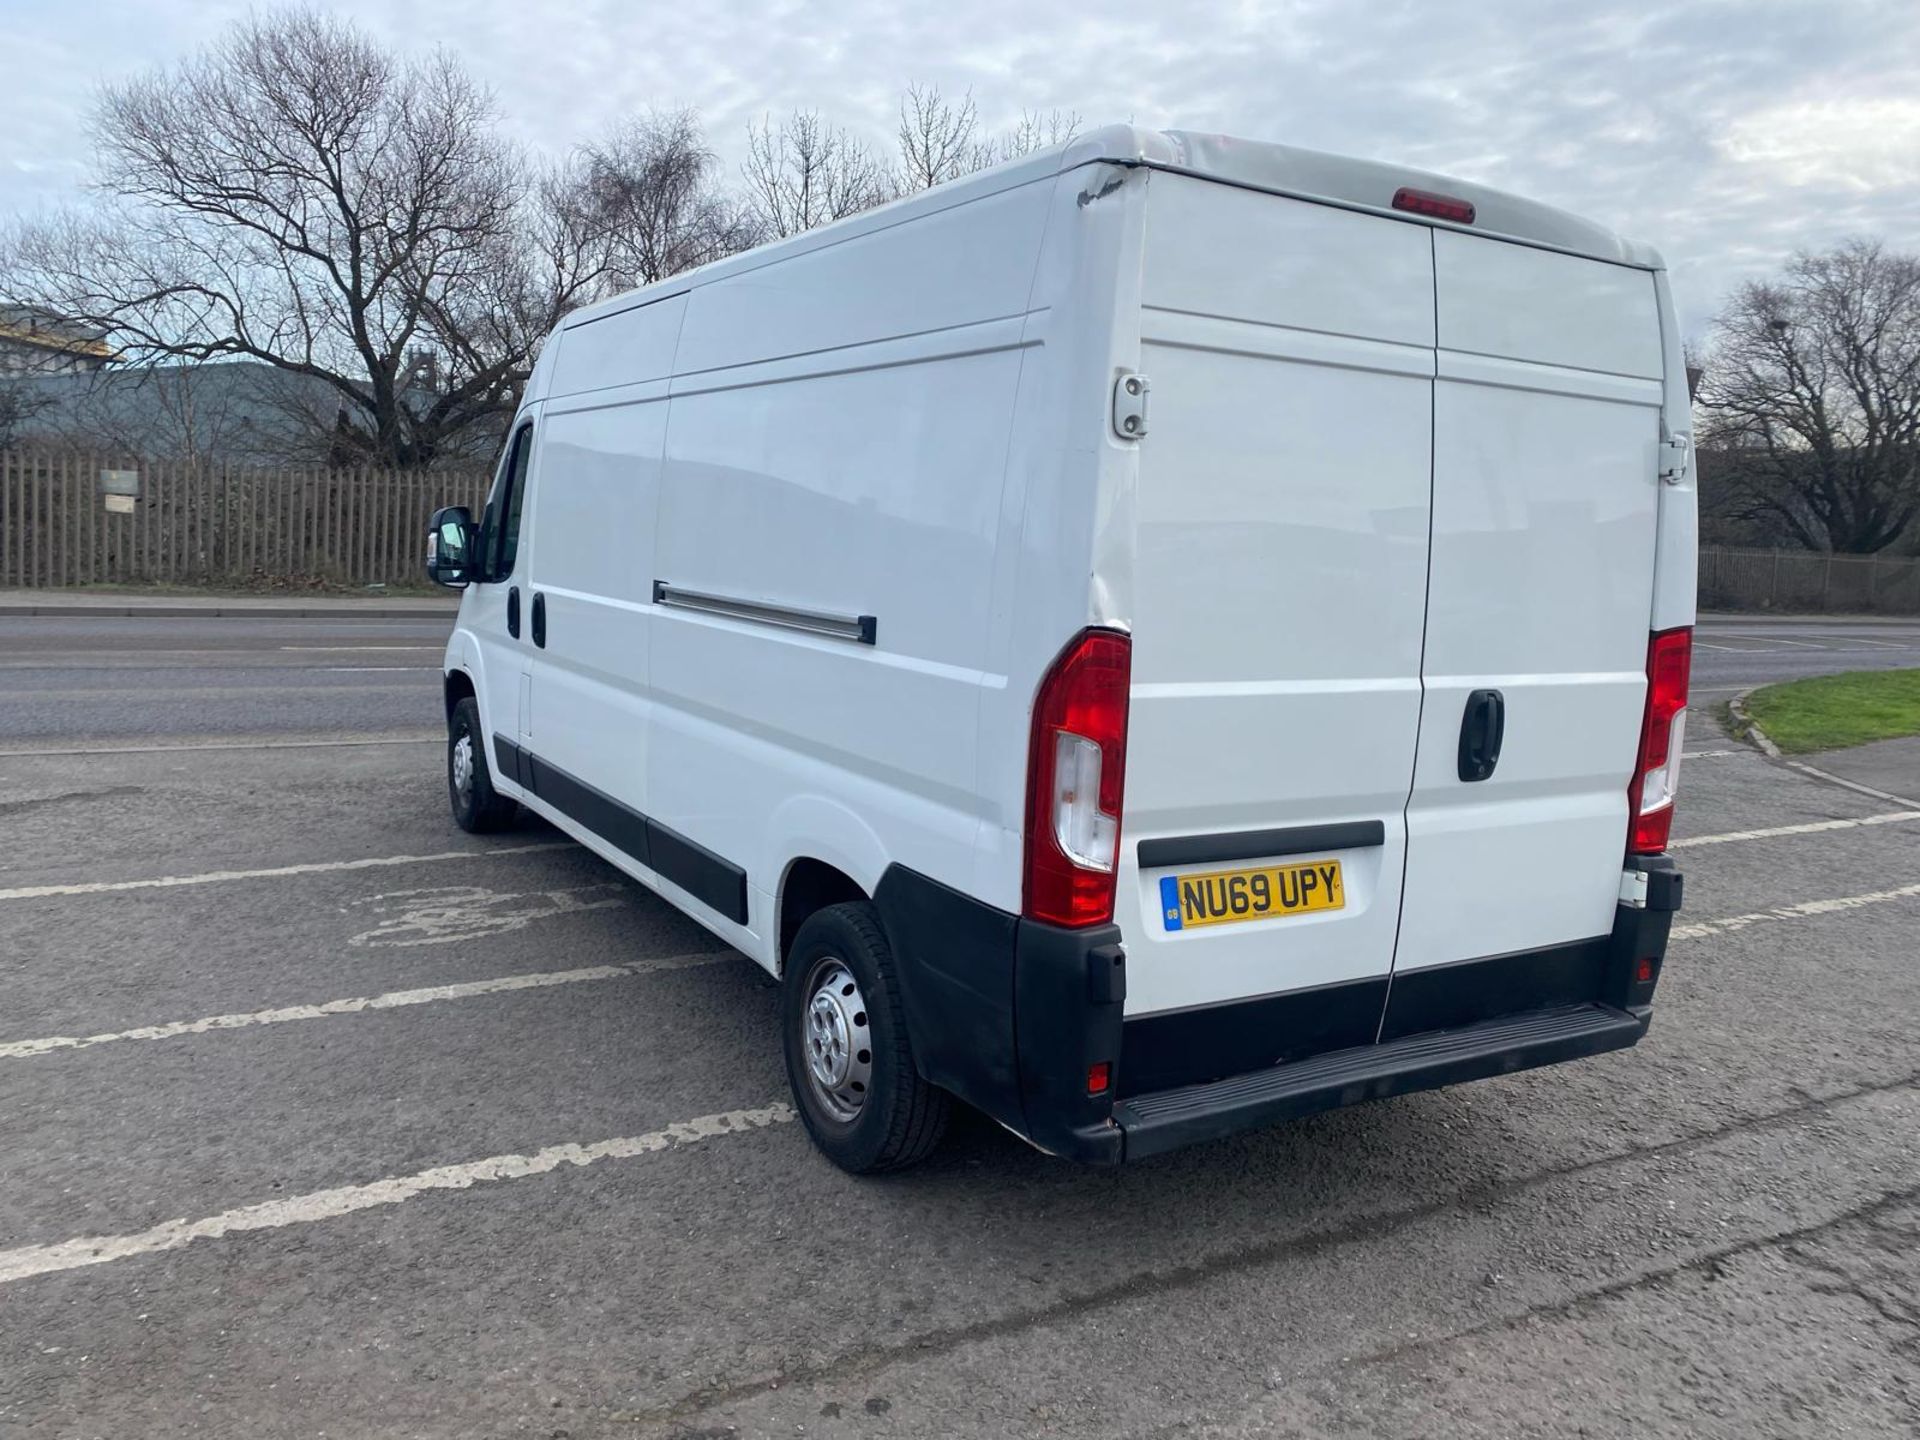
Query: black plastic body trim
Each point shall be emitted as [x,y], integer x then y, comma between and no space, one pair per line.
[1010,1015]
[1172,1118]
[513,611]
[510,760]
[711,879]
[1442,997]
[618,824]
[539,620]
[1210,1042]
[1258,844]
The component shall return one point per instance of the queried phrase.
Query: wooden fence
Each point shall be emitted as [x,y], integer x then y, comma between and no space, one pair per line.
[68,519]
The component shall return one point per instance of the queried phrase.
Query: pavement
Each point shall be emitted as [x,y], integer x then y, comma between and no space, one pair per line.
[318,1116]
[1892,766]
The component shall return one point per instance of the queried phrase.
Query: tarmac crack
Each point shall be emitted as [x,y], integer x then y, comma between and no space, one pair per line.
[862,1363]
[20,807]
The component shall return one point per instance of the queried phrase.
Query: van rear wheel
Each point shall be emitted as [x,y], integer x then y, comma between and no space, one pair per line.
[477,808]
[849,1059]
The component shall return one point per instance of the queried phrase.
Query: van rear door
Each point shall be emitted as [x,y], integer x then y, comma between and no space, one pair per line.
[1545,479]
[1279,596]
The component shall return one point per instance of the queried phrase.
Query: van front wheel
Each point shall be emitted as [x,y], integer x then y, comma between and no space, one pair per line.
[477,808]
[849,1059]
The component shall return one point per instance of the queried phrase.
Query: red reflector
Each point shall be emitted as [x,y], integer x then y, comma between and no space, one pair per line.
[1075,763]
[1099,1076]
[1644,971]
[1440,207]
[1656,772]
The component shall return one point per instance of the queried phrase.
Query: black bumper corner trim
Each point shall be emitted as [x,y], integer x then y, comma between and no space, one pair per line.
[1168,1119]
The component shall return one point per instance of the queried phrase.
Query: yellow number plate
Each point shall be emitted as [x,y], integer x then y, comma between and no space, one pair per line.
[1221,897]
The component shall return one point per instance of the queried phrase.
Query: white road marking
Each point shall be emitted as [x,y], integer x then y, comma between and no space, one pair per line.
[447,913]
[1707,754]
[391,1000]
[317,867]
[1802,911]
[376,669]
[1877,644]
[31,1260]
[1811,827]
[337,648]
[225,745]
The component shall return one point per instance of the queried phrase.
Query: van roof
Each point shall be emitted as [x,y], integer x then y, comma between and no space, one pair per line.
[1255,164]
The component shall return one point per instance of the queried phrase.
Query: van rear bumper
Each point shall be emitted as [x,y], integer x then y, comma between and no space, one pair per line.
[1010,1015]
[1168,1119]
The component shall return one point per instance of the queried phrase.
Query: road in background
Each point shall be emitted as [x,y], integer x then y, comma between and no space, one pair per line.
[1731,654]
[90,680]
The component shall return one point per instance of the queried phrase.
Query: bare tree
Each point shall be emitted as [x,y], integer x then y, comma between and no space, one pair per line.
[939,139]
[297,196]
[1811,398]
[641,204]
[804,173]
[1035,131]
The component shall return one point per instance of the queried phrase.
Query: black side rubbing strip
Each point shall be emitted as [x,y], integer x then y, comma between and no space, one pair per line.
[598,811]
[697,870]
[704,875]
[1257,844]
[509,760]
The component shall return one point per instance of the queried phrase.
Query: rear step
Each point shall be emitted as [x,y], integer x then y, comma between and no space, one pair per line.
[1167,1119]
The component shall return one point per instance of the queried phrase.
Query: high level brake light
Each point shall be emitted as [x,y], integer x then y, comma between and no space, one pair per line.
[1076,762]
[1656,773]
[1439,207]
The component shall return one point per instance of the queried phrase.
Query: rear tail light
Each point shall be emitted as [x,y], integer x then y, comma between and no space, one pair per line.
[1075,764]
[1440,207]
[1656,773]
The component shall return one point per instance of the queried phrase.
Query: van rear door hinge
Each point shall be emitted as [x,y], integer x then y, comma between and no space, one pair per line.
[1675,455]
[1130,406]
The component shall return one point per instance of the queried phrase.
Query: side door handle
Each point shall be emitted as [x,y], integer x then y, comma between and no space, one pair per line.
[539,620]
[513,611]
[1482,728]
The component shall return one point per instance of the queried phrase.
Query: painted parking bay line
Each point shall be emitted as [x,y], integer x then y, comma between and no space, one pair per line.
[1805,910]
[363,1004]
[316,867]
[31,1260]
[1810,827]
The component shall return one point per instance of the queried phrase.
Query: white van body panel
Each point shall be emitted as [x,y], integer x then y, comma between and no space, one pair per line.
[1388,462]
[1280,568]
[1545,478]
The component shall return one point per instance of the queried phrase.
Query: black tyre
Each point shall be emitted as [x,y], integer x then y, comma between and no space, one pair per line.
[476,808]
[849,1061]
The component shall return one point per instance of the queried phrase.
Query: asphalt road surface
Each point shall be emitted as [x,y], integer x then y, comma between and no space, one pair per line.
[90,679]
[320,1117]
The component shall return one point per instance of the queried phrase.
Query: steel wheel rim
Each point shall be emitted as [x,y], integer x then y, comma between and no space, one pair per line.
[463,766]
[837,1040]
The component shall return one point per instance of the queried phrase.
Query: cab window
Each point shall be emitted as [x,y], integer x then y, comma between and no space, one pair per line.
[500,527]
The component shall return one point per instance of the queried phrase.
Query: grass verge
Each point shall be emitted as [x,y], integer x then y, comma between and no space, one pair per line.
[1831,712]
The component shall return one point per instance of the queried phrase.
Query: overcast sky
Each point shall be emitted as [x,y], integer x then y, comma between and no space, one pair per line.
[1726,132]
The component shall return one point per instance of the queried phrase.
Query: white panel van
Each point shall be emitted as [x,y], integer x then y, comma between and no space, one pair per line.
[1162,636]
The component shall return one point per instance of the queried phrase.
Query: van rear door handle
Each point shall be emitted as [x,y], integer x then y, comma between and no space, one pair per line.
[513,611]
[1482,729]
[539,620]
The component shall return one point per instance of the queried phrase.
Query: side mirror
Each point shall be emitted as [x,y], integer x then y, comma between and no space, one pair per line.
[451,558]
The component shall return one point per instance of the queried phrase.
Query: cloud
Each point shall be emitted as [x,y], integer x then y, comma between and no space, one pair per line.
[1726,132]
